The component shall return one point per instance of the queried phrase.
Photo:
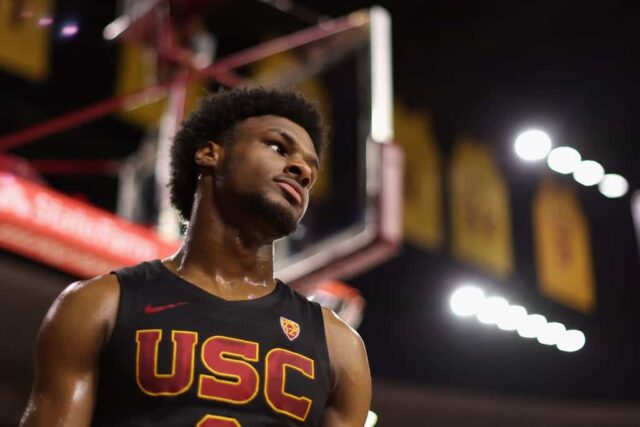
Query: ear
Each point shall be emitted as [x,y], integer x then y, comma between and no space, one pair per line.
[209,156]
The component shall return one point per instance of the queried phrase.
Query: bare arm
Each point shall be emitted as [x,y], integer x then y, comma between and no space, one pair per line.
[70,340]
[351,397]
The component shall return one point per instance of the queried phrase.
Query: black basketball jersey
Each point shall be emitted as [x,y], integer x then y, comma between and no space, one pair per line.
[180,356]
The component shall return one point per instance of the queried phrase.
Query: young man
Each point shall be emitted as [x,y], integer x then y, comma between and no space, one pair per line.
[208,337]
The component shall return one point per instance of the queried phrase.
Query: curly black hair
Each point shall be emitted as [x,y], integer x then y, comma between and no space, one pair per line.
[215,120]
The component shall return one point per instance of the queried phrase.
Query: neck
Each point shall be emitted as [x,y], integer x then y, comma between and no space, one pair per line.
[223,259]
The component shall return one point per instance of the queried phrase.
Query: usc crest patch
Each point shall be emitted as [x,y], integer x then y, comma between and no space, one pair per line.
[290,328]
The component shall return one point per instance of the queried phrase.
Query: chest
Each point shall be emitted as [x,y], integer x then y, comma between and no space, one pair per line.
[229,364]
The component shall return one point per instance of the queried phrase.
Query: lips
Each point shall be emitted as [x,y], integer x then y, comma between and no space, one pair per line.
[293,192]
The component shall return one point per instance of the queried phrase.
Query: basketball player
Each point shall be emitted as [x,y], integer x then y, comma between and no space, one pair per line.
[208,337]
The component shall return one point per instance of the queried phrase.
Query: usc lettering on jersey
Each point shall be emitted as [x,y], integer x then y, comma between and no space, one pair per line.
[181,356]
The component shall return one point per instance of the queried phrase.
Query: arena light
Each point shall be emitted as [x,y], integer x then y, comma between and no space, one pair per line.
[572,340]
[532,325]
[467,300]
[567,160]
[564,160]
[372,419]
[613,186]
[512,318]
[588,173]
[551,334]
[69,30]
[532,145]
[115,28]
[45,21]
[492,310]
[470,301]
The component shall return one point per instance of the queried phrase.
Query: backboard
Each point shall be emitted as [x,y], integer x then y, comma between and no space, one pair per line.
[349,73]
[354,217]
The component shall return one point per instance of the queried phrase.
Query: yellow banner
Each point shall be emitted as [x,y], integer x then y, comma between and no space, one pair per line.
[481,224]
[422,178]
[24,37]
[563,249]
[137,70]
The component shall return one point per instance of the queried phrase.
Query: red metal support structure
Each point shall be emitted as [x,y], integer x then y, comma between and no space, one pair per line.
[382,233]
[219,68]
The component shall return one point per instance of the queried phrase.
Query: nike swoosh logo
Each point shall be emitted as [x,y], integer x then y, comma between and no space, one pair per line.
[152,309]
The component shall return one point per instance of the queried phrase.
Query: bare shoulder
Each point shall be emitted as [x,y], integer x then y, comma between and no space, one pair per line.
[346,348]
[71,338]
[89,303]
[78,325]
[105,286]
[100,293]
[337,329]
[351,394]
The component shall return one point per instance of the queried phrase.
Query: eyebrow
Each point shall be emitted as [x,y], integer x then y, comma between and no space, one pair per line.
[291,141]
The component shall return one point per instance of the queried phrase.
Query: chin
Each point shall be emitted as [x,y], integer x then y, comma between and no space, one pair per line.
[282,219]
[279,215]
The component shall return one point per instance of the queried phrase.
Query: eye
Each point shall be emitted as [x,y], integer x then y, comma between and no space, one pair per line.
[277,147]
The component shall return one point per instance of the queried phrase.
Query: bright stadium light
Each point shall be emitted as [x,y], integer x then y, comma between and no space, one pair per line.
[572,340]
[372,419]
[115,28]
[45,21]
[564,160]
[532,145]
[467,300]
[532,326]
[470,301]
[512,318]
[69,30]
[552,333]
[492,310]
[588,173]
[613,186]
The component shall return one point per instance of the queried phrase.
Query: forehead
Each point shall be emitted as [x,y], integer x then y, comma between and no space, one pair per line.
[256,126]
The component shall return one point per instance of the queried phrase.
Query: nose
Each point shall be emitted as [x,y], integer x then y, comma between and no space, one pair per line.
[300,170]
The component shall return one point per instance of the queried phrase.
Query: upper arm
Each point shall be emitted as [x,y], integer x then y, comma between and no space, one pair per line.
[69,343]
[351,396]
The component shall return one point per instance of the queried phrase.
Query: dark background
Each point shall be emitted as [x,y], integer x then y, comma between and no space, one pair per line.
[490,69]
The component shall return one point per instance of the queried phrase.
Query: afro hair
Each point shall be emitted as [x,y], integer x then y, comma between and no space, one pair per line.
[215,120]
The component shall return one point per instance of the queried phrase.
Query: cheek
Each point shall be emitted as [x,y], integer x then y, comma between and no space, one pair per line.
[247,174]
